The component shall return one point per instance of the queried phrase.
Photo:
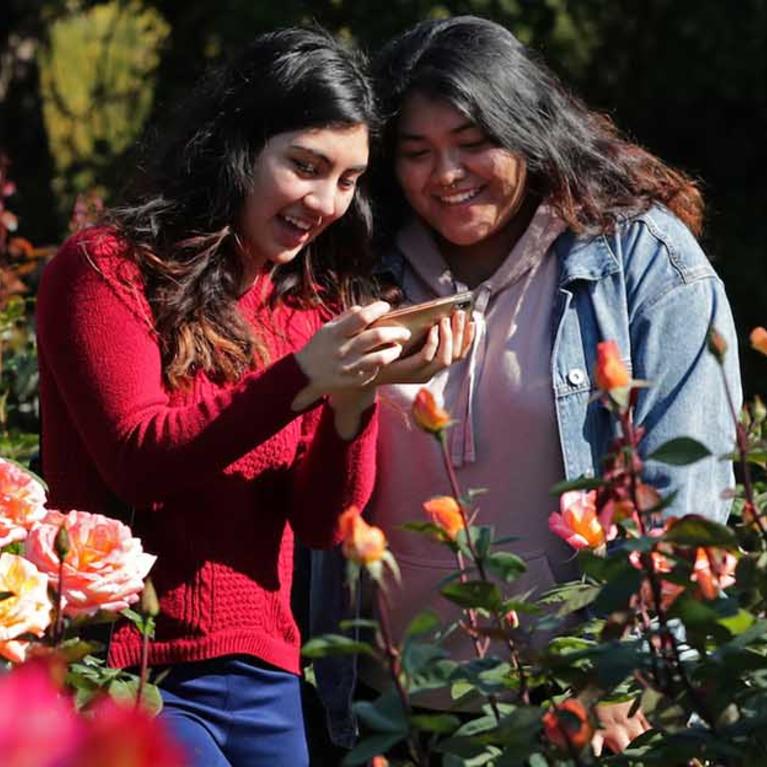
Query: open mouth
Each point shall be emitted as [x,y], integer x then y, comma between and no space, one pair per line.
[459,197]
[299,225]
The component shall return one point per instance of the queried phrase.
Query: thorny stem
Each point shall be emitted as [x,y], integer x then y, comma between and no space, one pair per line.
[513,653]
[144,672]
[395,667]
[668,639]
[58,625]
[742,442]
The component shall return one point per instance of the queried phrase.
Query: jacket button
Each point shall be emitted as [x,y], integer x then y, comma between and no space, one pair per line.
[576,377]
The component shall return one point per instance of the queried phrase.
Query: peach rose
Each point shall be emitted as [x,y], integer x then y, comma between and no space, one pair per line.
[104,568]
[427,414]
[22,502]
[27,610]
[577,520]
[362,543]
[758,339]
[445,512]
[610,372]
[567,724]
[714,570]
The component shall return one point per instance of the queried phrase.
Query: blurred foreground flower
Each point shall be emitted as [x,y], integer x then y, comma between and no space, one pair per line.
[105,566]
[567,725]
[38,725]
[445,512]
[22,502]
[610,372]
[362,543]
[577,520]
[26,608]
[427,414]
[125,735]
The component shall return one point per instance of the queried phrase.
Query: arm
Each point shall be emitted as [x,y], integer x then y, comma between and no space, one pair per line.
[687,395]
[106,365]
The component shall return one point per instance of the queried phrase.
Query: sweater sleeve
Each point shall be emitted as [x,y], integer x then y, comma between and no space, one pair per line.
[331,474]
[105,362]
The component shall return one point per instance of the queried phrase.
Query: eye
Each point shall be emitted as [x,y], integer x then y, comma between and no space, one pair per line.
[348,182]
[305,167]
[413,154]
[477,144]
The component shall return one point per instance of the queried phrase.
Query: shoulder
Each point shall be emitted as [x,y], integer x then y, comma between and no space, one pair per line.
[93,265]
[656,245]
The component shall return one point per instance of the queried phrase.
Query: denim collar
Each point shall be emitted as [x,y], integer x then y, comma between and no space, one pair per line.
[584,258]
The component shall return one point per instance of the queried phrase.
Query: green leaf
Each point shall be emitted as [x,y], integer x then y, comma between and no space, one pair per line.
[334,644]
[418,655]
[695,530]
[738,623]
[505,565]
[616,593]
[439,723]
[384,714]
[582,483]
[358,623]
[423,623]
[681,451]
[473,594]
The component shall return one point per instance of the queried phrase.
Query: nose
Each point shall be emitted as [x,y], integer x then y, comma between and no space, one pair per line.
[321,199]
[448,168]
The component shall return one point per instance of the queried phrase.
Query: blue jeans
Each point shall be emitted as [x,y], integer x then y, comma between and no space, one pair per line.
[235,712]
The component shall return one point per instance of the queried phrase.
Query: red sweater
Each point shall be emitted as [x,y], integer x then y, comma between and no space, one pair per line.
[219,476]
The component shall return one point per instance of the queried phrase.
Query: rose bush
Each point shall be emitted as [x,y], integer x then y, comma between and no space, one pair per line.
[667,625]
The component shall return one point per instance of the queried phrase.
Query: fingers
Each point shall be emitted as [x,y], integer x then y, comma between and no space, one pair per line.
[357,318]
[374,338]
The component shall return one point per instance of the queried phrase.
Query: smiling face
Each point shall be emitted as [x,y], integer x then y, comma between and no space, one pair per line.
[455,178]
[303,182]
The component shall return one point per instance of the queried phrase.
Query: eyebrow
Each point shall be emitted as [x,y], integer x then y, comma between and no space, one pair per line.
[420,137]
[324,158]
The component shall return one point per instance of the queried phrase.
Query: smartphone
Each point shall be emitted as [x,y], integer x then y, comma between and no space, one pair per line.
[419,319]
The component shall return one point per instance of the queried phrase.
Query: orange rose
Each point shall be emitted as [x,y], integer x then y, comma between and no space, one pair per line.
[361,542]
[577,520]
[427,414]
[567,725]
[445,512]
[104,568]
[758,339]
[610,372]
[27,611]
[22,500]
[379,761]
[714,570]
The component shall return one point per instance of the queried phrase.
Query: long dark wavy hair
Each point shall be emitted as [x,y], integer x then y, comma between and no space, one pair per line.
[179,222]
[576,158]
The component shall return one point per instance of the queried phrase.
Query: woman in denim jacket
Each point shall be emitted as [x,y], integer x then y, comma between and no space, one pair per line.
[493,178]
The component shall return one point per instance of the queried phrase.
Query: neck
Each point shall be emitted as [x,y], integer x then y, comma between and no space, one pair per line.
[473,264]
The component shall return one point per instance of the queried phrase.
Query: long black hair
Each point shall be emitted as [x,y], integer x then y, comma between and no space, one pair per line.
[179,223]
[575,158]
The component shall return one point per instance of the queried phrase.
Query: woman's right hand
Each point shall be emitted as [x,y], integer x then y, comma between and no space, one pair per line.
[447,342]
[345,354]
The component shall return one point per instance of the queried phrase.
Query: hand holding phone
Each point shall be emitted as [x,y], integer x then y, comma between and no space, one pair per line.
[419,319]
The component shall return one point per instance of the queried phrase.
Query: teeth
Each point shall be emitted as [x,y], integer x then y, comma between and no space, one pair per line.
[456,199]
[298,223]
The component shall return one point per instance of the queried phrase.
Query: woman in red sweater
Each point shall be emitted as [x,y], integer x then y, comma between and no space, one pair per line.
[193,378]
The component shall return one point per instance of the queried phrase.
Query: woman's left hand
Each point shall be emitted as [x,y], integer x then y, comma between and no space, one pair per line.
[618,729]
[447,342]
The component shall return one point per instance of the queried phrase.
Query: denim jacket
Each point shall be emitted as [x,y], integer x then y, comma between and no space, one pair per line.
[649,287]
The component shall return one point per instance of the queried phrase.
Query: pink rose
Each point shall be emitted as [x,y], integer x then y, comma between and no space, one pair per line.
[22,499]
[104,568]
[577,520]
[27,610]
[38,726]
[126,735]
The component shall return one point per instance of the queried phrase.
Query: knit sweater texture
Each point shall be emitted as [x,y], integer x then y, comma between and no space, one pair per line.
[216,478]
